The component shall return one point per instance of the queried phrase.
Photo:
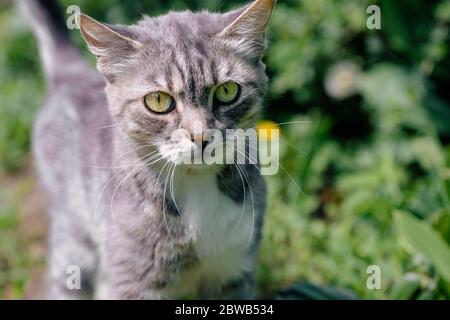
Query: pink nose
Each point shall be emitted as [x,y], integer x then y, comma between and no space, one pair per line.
[199,139]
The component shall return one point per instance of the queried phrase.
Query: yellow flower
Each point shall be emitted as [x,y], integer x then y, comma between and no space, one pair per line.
[264,129]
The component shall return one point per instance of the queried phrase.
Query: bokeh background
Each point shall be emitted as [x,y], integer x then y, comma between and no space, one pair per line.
[365,128]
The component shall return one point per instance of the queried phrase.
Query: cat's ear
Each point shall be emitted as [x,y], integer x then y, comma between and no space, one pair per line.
[110,46]
[249,27]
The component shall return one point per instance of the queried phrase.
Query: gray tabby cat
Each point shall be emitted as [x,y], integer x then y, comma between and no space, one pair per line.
[137,223]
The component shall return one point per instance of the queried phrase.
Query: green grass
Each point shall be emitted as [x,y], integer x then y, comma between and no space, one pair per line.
[330,234]
[21,92]
[22,239]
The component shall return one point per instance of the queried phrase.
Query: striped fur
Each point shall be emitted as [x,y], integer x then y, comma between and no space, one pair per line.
[137,229]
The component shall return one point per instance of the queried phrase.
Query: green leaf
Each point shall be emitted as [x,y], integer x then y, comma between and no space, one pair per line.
[418,236]
[309,291]
[406,288]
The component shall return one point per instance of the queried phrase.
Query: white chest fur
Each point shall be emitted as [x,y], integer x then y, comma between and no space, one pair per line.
[221,230]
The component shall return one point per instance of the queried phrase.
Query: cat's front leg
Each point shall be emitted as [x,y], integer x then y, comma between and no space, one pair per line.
[128,293]
[242,288]
[118,287]
[137,270]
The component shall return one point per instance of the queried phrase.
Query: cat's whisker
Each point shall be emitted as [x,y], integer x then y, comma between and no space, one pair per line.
[120,157]
[293,122]
[225,143]
[126,166]
[289,176]
[164,202]
[254,160]
[156,184]
[109,180]
[151,156]
[132,164]
[244,202]
[279,139]
[118,186]
[109,126]
[253,205]
[246,178]
[138,167]
[172,192]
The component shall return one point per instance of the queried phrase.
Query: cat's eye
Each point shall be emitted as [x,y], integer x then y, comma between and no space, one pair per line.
[159,102]
[227,93]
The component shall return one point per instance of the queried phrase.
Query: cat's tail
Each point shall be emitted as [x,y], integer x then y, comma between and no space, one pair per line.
[55,46]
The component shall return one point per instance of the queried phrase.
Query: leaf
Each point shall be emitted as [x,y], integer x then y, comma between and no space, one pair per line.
[309,291]
[418,236]
[406,288]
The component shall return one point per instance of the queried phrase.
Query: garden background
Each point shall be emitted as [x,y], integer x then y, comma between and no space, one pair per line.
[365,127]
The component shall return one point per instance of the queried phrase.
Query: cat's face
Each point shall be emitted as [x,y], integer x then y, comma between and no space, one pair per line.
[189,71]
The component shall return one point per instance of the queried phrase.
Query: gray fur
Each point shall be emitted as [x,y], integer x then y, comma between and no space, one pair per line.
[87,142]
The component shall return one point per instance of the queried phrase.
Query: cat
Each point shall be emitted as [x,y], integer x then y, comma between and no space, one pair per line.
[124,212]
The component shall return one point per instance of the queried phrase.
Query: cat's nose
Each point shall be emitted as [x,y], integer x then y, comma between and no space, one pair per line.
[200,140]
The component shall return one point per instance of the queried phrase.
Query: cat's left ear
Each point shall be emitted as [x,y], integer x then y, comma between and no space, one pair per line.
[249,28]
[108,43]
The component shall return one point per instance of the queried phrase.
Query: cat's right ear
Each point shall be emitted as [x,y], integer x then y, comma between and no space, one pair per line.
[248,27]
[109,46]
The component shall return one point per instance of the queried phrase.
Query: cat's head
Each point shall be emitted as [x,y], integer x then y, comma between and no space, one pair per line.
[180,71]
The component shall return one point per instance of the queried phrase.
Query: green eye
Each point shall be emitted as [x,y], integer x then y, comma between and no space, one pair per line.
[227,93]
[159,102]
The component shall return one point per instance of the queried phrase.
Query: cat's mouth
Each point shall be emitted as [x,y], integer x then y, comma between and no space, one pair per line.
[187,154]
[213,150]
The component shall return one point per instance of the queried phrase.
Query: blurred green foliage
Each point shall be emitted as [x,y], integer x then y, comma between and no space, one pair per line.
[365,127]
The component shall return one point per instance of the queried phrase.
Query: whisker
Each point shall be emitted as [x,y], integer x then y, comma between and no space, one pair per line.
[110,180]
[138,167]
[280,139]
[110,126]
[171,188]
[293,122]
[159,175]
[164,203]
[243,185]
[253,205]
[121,156]
[126,166]
[247,179]
[286,172]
